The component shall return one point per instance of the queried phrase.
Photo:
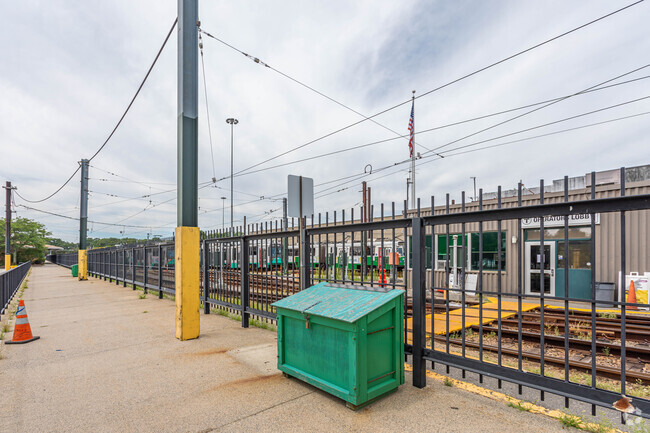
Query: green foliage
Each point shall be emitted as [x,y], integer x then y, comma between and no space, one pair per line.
[111,242]
[28,240]
[448,382]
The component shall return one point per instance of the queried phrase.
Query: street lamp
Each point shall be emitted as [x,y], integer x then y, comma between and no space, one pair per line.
[223,215]
[232,121]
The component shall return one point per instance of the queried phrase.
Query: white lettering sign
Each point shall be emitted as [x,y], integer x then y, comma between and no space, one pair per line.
[558,221]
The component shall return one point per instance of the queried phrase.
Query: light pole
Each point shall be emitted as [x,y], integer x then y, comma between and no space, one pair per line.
[223,215]
[232,121]
[474,179]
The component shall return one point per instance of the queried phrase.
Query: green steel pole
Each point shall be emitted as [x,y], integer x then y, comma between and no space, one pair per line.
[83,206]
[188,91]
[8,228]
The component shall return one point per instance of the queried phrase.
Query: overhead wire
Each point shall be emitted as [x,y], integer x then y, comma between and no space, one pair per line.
[92,221]
[118,123]
[449,154]
[207,105]
[373,143]
[519,116]
[295,80]
[468,75]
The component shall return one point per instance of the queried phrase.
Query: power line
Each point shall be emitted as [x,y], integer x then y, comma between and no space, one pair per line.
[540,108]
[137,92]
[443,86]
[94,222]
[54,193]
[126,179]
[207,106]
[295,80]
[491,146]
[373,143]
[118,123]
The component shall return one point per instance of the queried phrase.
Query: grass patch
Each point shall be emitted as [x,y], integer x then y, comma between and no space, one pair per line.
[142,296]
[222,311]
[145,311]
[603,425]
[5,328]
[570,420]
[448,382]
[521,406]
[607,315]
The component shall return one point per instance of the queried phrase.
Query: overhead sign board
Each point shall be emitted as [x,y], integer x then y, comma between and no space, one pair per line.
[297,201]
[558,221]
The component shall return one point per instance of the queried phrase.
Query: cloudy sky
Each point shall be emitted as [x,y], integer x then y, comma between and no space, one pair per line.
[69,69]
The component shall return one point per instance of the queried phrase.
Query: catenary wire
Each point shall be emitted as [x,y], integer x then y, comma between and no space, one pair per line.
[116,126]
[258,61]
[207,106]
[373,143]
[475,72]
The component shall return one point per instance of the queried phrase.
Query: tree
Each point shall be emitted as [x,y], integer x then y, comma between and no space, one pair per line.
[28,240]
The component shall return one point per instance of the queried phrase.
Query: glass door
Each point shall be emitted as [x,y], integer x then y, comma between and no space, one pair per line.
[533,264]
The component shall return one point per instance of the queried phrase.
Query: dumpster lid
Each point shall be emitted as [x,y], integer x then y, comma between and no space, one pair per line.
[336,301]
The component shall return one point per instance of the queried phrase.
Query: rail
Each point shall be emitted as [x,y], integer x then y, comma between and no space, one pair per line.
[487,290]
[10,282]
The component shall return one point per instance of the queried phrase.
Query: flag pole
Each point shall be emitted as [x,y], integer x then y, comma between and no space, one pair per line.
[413,153]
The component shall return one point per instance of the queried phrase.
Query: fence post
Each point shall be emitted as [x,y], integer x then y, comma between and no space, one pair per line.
[160,292]
[133,267]
[117,267]
[124,266]
[419,303]
[304,251]
[206,278]
[244,282]
[144,270]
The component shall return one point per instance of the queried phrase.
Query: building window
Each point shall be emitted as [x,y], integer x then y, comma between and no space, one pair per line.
[490,251]
[441,253]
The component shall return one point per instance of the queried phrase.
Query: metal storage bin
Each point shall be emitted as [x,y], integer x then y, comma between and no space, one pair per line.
[346,340]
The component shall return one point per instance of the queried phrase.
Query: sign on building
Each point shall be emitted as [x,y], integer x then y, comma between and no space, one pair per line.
[558,221]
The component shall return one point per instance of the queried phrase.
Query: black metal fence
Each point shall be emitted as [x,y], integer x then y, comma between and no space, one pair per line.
[64,259]
[502,303]
[10,282]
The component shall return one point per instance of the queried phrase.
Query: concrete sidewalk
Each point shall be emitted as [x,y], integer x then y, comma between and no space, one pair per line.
[108,361]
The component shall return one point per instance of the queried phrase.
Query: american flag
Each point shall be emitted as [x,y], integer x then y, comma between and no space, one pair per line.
[411,130]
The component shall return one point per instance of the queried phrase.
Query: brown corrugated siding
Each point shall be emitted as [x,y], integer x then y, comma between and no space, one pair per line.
[608,236]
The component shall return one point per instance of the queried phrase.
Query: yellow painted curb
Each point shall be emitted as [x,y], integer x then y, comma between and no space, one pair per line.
[499,396]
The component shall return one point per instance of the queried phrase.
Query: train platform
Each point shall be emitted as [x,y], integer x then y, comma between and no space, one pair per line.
[107,360]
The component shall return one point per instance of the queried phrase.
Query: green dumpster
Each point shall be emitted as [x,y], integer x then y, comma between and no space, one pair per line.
[346,340]
[75,270]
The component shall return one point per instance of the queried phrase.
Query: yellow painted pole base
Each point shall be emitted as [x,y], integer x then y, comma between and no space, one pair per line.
[188,290]
[82,262]
[7,262]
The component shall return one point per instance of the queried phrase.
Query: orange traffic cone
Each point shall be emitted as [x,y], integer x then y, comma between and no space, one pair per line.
[631,296]
[22,330]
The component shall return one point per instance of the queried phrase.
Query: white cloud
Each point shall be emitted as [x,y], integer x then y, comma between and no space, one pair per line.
[69,70]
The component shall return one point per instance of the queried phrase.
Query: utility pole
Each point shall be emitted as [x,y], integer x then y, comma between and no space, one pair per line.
[82,260]
[232,121]
[8,228]
[187,234]
[364,218]
[413,151]
[285,227]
